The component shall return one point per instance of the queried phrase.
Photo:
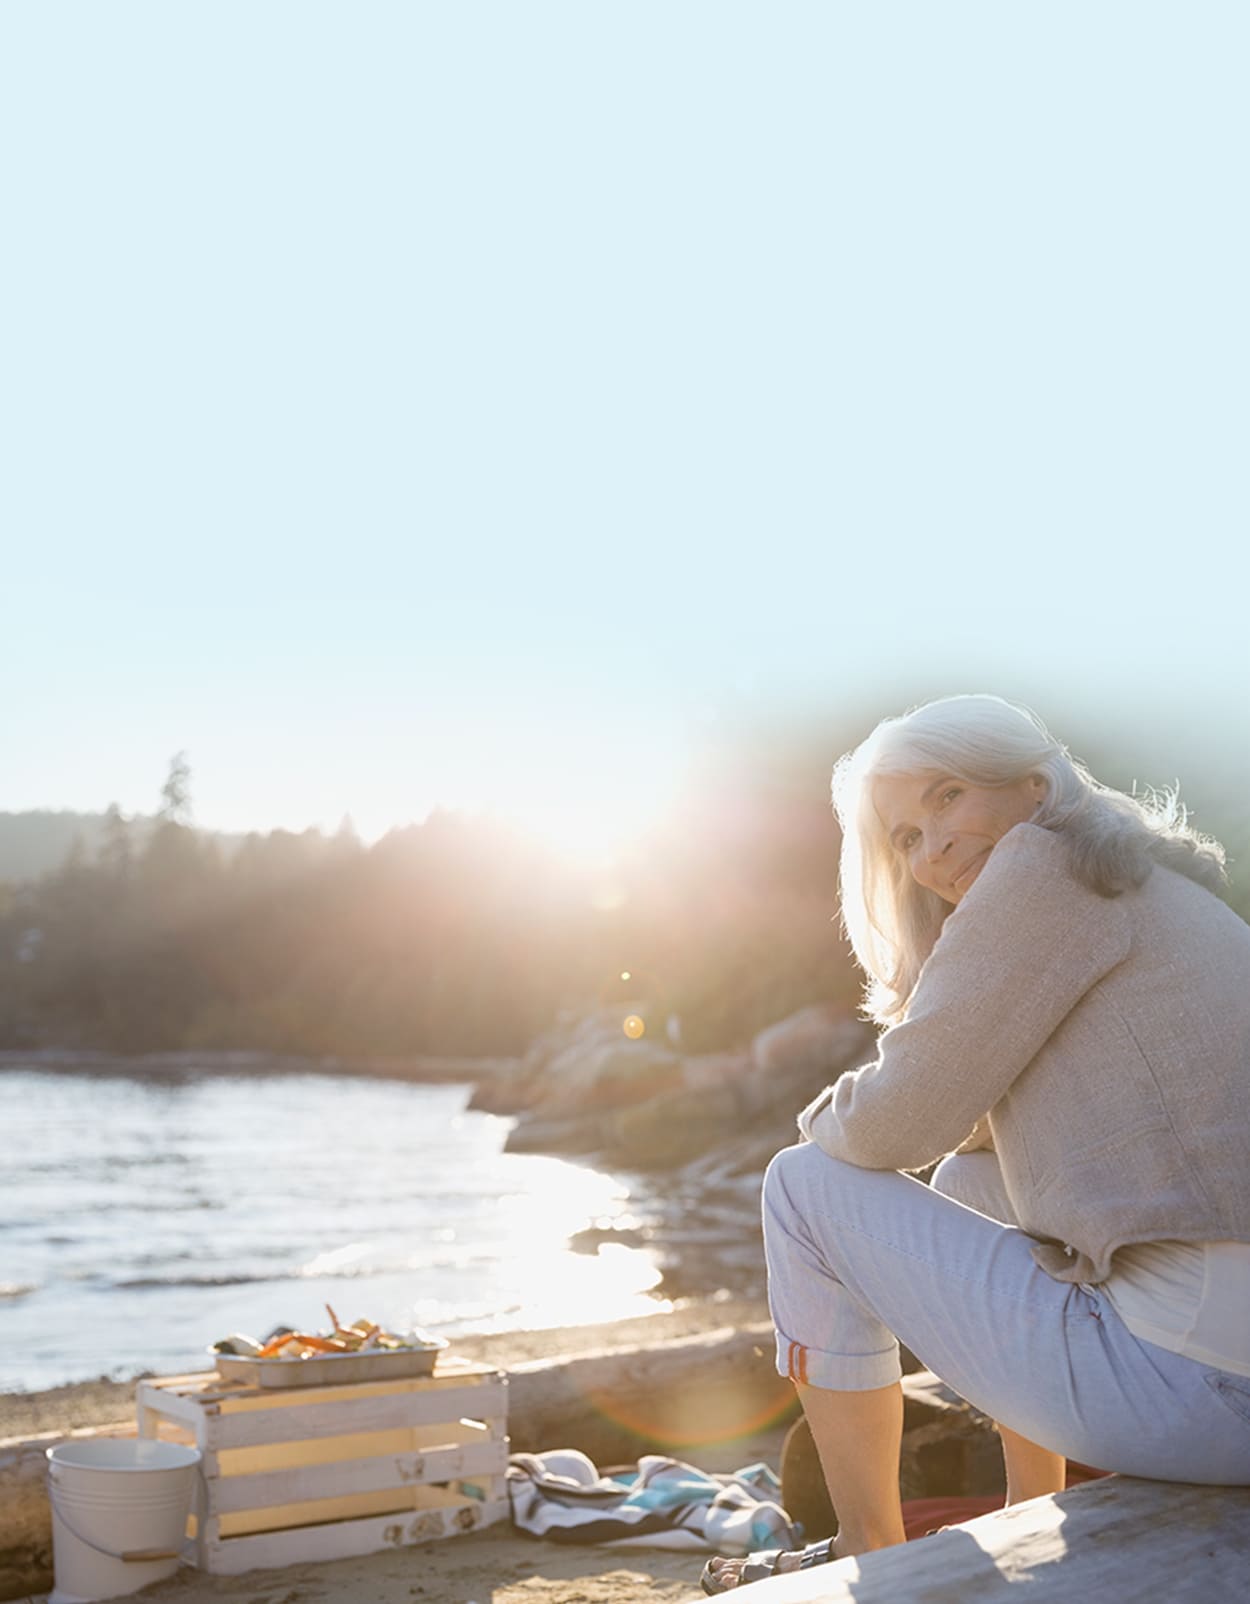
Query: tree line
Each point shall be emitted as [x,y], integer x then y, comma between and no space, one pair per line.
[457,936]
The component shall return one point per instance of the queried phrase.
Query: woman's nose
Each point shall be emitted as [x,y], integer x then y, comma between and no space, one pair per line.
[936,842]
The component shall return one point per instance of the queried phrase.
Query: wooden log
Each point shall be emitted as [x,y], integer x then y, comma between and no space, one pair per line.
[25,1518]
[677,1397]
[1118,1541]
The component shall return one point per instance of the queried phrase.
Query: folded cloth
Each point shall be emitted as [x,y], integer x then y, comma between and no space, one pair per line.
[663,1504]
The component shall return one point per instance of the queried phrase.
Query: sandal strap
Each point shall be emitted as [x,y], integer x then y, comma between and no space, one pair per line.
[762,1564]
[816,1554]
[758,1567]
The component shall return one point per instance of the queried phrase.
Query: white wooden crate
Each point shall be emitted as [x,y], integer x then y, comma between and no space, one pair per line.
[313,1473]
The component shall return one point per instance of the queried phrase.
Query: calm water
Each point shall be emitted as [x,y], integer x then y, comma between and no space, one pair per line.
[139,1220]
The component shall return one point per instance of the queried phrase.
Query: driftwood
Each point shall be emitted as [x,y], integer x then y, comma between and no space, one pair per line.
[25,1519]
[676,1397]
[1118,1540]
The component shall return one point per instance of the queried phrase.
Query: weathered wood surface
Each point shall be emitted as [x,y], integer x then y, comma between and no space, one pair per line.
[674,1397]
[25,1518]
[1116,1541]
[340,1539]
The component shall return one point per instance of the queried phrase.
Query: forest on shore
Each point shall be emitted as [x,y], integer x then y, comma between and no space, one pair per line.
[457,936]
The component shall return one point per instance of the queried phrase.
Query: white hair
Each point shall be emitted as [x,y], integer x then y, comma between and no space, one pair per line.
[1114,839]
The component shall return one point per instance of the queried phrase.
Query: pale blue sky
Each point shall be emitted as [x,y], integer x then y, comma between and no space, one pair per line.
[458,403]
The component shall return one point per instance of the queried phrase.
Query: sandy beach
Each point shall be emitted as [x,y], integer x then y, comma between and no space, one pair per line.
[713,1281]
[492,1567]
[498,1566]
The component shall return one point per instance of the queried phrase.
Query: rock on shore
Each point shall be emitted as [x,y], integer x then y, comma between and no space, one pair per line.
[587,1088]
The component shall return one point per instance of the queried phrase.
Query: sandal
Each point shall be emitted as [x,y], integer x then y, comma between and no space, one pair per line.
[759,1566]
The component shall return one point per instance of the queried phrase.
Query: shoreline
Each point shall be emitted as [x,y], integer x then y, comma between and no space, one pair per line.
[417,1068]
[78,1405]
[701,1232]
[700,1222]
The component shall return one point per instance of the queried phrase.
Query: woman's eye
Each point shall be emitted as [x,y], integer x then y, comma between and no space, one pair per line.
[951,790]
[908,841]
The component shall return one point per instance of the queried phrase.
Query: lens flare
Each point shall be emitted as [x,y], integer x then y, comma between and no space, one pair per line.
[687,1416]
[634,1027]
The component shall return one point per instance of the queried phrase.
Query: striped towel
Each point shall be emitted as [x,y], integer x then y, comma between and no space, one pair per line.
[663,1504]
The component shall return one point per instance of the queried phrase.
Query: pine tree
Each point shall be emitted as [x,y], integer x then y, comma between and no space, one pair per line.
[175,805]
[116,850]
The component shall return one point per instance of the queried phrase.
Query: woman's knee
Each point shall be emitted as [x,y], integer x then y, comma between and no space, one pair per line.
[953,1178]
[804,1175]
[785,1175]
[976,1181]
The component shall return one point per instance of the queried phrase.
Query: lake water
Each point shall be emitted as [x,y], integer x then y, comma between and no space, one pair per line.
[140,1219]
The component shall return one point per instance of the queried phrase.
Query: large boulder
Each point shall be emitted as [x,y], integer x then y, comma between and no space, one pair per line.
[612,1073]
[589,1088]
[820,1040]
[572,1031]
[671,1130]
[583,1065]
[716,1072]
[576,1135]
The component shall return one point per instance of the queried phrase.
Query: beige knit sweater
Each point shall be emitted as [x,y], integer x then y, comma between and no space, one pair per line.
[1107,1039]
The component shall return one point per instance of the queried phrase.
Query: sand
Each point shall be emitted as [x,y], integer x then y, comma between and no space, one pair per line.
[491,1567]
[498,1566]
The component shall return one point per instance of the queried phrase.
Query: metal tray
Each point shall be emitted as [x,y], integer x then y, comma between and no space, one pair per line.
[330,1368]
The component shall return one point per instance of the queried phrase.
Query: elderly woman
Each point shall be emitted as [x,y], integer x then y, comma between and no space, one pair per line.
[1066,1004]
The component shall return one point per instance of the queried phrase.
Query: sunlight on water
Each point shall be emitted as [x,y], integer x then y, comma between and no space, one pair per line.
[140,1221]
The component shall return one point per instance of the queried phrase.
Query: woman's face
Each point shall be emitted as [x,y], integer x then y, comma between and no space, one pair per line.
[945,829]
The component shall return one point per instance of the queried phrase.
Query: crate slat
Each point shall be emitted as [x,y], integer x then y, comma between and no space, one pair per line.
[301,1545]
[359,1445]
[348,1415]
[300,1474]
[227,1494]
[187,1411]
[237,1398]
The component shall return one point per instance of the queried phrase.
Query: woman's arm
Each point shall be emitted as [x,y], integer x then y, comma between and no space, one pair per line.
[1014,958]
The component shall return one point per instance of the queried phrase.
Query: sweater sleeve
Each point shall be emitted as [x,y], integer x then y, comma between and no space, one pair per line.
[980,1139]
[1014,958]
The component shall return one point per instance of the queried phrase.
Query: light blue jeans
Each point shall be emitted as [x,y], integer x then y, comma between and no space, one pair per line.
[859,1260]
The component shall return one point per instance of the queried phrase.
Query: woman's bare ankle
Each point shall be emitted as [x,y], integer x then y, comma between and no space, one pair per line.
[846,1543]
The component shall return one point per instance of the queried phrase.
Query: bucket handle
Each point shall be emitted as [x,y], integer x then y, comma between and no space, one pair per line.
[131,1556]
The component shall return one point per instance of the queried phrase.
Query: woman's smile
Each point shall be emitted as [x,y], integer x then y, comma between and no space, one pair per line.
[945,828]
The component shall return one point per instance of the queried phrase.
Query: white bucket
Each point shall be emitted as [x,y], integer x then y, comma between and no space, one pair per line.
[119,1514]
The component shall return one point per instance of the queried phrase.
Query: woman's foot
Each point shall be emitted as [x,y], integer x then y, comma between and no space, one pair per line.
[723,1575]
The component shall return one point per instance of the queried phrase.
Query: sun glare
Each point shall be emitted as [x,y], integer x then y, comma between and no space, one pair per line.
[583,795]
[588,818]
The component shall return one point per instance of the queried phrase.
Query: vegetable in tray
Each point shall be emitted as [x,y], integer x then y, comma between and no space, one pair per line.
[362,1336]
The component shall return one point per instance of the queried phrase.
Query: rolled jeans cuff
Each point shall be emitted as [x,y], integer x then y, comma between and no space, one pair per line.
[837,1372]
